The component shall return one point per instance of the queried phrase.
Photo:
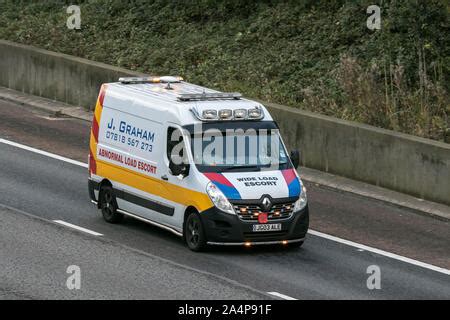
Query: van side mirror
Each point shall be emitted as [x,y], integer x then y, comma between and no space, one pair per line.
[295,158]
[177,169]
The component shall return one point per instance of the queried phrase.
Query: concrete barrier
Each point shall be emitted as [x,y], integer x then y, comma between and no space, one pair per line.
[401,162]
[397,161]
[52,75]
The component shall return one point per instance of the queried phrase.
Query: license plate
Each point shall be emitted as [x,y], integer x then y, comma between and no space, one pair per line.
[267,227]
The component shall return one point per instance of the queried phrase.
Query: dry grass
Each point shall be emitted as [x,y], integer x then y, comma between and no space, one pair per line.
[379,95]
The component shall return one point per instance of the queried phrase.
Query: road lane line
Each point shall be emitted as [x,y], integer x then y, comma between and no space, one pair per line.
[78,228]
[380,252]
[312,232]
[280,295]
[44,153]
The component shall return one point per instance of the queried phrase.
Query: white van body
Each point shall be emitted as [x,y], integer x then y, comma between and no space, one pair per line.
[129,160]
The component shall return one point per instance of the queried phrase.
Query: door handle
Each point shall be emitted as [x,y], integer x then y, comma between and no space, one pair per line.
[164,177]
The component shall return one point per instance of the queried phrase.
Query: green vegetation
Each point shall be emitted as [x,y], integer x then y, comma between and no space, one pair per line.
[317,55]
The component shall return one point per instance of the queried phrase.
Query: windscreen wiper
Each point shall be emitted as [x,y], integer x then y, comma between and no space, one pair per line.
[240,167]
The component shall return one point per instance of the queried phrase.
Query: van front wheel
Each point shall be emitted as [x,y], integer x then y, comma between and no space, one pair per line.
[194,233]
[108,205]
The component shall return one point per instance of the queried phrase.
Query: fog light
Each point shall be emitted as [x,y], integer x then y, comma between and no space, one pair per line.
[209,114]
[284,242]
[225,114]
[254,113]
[240,113]
[247,244]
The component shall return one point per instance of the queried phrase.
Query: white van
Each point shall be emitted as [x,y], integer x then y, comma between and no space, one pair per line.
[208,166]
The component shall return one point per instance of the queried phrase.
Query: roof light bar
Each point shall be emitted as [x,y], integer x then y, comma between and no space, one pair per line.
[170,79]
[164,79]
[209,96]
[132,80]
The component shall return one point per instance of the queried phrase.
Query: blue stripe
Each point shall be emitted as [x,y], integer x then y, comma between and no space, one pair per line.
[229,192]
[294,188]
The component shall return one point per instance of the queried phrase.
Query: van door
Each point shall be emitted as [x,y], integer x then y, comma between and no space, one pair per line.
[174,184]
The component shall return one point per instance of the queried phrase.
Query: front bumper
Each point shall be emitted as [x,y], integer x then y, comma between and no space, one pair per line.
[226,229]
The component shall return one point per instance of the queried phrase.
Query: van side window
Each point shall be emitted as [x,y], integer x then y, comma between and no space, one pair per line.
[174,137]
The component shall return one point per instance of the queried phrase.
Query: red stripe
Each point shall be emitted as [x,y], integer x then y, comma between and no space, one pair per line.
[92,163]
[101,96]
[289,175]
[217,177]
[95,129]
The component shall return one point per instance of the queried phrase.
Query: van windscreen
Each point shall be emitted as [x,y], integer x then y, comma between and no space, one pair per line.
[237,146]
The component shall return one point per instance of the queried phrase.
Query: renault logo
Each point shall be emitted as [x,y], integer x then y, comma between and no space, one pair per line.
[266,204]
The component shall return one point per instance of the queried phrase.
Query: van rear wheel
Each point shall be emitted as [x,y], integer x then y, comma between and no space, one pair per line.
[108,205]
[194,233]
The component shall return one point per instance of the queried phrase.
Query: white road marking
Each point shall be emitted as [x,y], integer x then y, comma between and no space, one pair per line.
[380,252]
[78,228]
[55,118]
[280,295]
[313,232]
[44,153]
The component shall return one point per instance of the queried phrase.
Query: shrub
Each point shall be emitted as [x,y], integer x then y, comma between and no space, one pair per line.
[312,54]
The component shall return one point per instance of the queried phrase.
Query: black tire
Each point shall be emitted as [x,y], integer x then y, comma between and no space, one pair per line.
[194,234]
[108,205]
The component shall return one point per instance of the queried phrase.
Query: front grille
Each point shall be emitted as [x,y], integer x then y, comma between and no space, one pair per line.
[250,212]
[264,236]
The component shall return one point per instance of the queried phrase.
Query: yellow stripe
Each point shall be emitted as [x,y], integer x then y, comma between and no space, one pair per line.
[97,115]
[93,146]
[157,187]
[98,111]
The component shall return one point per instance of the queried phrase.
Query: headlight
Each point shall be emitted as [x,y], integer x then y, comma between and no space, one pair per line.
[219,199]
[302,201]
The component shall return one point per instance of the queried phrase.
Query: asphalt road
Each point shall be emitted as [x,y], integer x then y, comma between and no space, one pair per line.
[128,254]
